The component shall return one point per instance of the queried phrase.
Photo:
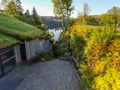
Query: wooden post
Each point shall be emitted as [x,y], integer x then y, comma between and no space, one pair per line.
[2,68]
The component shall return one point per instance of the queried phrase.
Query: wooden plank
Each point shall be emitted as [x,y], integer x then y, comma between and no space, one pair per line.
[1,64]
[6,51]
[10,58]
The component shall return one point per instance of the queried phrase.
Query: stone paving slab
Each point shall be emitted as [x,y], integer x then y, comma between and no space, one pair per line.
[50,75]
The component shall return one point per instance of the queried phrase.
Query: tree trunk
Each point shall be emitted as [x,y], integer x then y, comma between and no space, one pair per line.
[63,21]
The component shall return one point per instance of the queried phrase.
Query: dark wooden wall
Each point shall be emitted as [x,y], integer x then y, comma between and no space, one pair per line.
[7,60]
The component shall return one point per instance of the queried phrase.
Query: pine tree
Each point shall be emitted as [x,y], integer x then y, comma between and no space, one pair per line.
[27,18]
[35,17]
[18,6]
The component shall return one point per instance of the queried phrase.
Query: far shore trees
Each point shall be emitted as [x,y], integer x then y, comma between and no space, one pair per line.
[112,16]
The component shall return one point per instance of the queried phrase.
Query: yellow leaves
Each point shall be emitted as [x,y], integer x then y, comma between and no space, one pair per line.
[115,45]
[109,81]
[99,67]
[78,29]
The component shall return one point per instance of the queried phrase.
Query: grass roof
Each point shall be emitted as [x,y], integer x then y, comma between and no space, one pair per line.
[7,41]
[19,29]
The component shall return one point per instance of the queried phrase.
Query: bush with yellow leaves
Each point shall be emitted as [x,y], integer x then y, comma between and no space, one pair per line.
[101,67]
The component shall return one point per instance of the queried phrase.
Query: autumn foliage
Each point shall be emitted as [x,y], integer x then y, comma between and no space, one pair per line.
[100,57]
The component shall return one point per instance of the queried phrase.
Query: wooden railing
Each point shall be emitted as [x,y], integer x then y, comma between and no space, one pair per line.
[7,60]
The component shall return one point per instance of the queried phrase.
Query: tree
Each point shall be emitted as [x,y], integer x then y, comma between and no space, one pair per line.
[27,18]
[107,19]
[114,12]
[111,17]
[85,13]
[12,8]
[82,17]
[35,17]
[18,6]
[27,13]
[85,10]
[63,8]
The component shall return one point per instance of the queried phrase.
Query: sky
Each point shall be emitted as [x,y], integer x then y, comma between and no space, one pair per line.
[45,7]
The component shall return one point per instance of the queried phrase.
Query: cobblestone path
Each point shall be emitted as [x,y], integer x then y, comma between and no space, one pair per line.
[50,75]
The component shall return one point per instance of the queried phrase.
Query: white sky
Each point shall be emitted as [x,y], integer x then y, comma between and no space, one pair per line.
[43,8]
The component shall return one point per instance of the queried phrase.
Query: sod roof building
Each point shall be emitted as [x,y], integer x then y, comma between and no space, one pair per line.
[19,42]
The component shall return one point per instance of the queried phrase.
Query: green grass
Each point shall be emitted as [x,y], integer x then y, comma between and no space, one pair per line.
[7,41]
[19,29]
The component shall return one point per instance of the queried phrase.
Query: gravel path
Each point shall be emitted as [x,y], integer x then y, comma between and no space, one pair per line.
[50,75]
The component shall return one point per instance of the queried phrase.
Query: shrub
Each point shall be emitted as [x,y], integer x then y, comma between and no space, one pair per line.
[44,56]
[59,49]
[101,69]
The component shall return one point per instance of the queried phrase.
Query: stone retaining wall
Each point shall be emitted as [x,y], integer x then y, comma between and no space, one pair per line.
[17,54]
[37,46]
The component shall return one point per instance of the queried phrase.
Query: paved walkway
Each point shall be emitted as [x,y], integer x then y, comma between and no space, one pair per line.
[50,75]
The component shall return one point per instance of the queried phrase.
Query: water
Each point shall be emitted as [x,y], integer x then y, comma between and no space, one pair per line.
[56,33]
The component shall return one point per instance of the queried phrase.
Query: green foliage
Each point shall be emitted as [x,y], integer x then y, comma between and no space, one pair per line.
[71,22]
[51,36]
[59,49]
[107,19]
[114,11]
[27,18]
[12,8]
[93,20]
[111,17]
[77,46]
[19,29]
[46,56]
[43,56]
[35,17]
[7,41]
[63,8]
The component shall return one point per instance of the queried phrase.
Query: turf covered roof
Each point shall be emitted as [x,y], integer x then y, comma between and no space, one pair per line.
[19,29]
[7,41]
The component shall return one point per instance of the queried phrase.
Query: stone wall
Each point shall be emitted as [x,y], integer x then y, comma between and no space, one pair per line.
[45,45]
[17,54]
[37,46]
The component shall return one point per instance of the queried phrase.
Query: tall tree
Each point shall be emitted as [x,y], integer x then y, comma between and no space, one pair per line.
[63,8]
[35,17]
[85,12]
[27,18]
[82,16]
[12,8]
[18,6]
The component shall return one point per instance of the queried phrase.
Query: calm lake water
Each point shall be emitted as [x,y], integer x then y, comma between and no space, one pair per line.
[56,33]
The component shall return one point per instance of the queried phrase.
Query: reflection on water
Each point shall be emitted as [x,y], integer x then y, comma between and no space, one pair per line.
[56,33]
